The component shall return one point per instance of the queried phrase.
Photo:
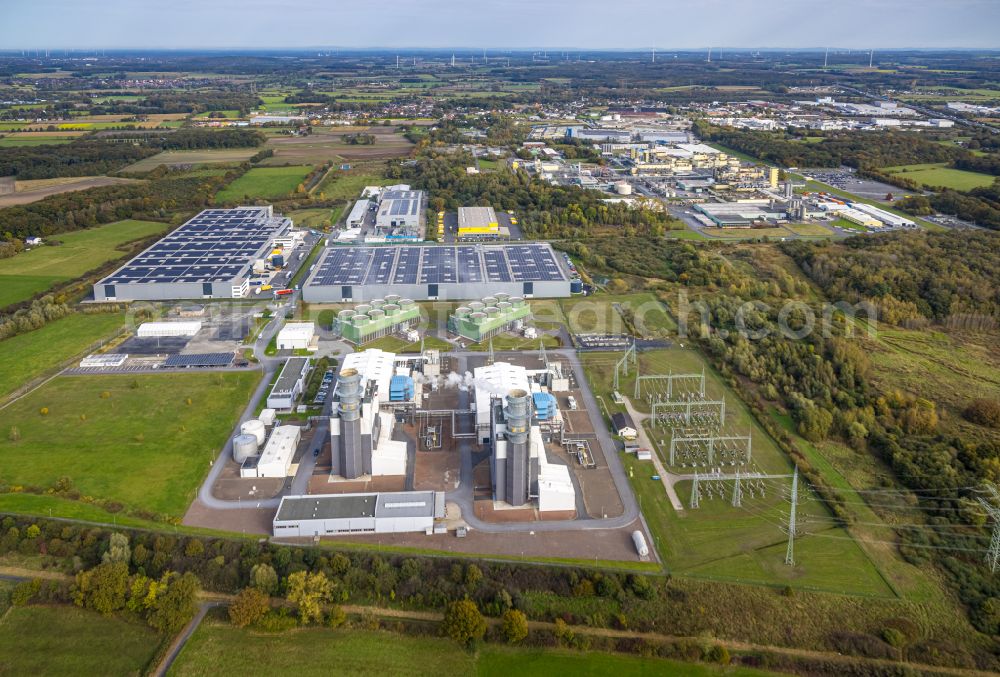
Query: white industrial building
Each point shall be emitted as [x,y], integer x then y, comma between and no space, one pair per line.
[296,336]
[167,329]
[276,458]
[291,381]
[359,213]
[361,443]
[381,513]
[519,465]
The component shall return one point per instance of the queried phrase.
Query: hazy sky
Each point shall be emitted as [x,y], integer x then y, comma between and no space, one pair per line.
[498,24]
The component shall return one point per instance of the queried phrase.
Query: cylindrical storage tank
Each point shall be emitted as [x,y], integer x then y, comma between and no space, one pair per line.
[518,301]
[244,447]
[502,296]
[490,301]
[462,311]
[640,543]
[404,303]
[393,298]
[345,314]
[362,309]
[492,311]
[376,303]
[476,306]
[376,314]
[477,318]
[390,309]
[576,286]
[255,428]
[623,188]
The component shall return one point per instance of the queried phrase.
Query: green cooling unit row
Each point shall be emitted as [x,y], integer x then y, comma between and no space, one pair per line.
[378,318]
[480,320]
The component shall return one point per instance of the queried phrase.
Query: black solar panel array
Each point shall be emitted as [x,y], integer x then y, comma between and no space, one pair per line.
[437,265]
[200,360]
[214,246]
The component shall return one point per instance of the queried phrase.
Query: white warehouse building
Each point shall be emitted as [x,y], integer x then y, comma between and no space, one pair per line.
[276,459]
[375,513]
[296,336]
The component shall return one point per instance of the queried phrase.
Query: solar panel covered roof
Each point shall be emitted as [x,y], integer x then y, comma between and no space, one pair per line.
[215,246]
[535,262]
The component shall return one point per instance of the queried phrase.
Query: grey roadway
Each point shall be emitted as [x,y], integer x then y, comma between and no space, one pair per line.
[463,495]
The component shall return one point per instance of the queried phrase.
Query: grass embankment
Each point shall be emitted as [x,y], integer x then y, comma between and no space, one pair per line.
[134,439]
[217,648]
[33,271]
[32,354]
[65,640]
[608,314]
[265,183]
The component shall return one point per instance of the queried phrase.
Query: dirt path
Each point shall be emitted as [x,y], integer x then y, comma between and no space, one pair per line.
[665,477]
[210,600]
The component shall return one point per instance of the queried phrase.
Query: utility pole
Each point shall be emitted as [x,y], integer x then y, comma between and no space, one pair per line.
[695,492]
[993,554]
[790,552]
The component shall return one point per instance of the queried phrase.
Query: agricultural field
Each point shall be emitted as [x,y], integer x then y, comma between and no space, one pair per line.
[263,183]
[34,190]
[718,541]
[145,441]
[745,233]
[33,271]
[603,314]
[940,175]
[327,144]
[809,230]
[66,640]
[64,339]
[217,648]
[179,158]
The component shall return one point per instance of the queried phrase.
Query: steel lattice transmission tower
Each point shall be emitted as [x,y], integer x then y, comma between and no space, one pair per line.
[993,554]
[790,552]
[737,492]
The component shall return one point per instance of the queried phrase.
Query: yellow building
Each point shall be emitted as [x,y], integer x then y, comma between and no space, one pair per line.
[477,221]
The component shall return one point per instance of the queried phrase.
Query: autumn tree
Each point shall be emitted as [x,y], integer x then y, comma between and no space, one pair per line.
[249,607]
[307,591]
[463,622]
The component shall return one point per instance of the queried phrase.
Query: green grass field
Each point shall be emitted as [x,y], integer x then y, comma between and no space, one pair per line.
[939,174]
[348,185]
[263,182]
[66,640]
[512,342]
[599,314]
[220,649]
[314,218]
[174,158]
[20,141]
[62,339]
[394,344]
[716,540]
[141,445]
[30,272]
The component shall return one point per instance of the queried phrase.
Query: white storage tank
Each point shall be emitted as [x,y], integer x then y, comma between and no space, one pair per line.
[640,544]
[244,447]
[254,427]
[623,188]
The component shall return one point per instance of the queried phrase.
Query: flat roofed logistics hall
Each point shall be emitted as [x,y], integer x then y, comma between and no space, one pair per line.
[212,256]
[393,512]
[437,272]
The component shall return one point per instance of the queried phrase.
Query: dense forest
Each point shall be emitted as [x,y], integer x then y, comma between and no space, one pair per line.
[909,275]
[853,149]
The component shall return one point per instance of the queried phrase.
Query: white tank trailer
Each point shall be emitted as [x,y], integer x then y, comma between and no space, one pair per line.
[640,544]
